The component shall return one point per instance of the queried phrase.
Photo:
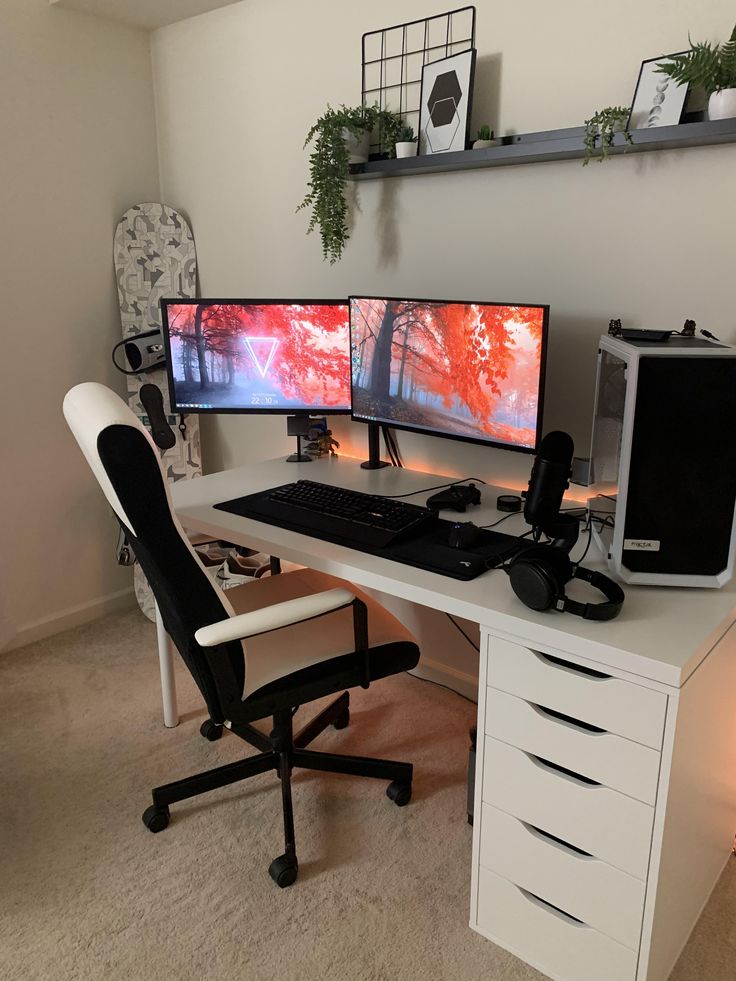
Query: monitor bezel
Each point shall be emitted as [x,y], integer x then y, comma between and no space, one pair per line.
[166,302]
[476,440]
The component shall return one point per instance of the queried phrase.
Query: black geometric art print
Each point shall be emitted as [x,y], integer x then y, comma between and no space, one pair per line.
[394,59]
[447,89]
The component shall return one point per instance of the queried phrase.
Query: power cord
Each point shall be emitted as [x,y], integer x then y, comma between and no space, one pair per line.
[439,684]
[457,626]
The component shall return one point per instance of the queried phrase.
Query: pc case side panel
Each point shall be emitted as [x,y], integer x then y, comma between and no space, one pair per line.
[609,417]
[608,423]
[681,486]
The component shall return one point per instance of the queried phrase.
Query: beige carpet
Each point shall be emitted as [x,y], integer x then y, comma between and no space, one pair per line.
[88,893]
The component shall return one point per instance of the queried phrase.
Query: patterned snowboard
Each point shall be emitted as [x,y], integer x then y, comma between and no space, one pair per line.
[154,258]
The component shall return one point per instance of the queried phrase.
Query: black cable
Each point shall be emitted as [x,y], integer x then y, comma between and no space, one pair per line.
[458,627]
[439,684]
[426,490]
[391,435]
[387,446]
[711,337]
[514,514]
[590,539]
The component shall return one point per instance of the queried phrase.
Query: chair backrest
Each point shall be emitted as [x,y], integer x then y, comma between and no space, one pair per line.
[126,463]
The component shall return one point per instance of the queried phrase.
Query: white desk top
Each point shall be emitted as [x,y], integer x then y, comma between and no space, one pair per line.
[661,634]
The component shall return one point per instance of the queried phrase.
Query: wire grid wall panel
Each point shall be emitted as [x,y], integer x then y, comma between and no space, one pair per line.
[394,58]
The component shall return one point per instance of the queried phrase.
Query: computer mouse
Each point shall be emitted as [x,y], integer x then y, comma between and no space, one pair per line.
[463,534]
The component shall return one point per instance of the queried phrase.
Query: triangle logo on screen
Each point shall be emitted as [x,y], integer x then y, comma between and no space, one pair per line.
[262,350]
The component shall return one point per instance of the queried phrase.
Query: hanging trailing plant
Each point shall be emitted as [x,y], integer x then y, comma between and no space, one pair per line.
[329,168]
[600,130]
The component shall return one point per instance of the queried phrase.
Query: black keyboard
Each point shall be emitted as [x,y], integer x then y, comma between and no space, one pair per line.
[358,517]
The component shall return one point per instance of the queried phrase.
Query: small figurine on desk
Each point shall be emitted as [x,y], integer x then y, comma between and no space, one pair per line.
[321,443]
[688,328]
[614,328]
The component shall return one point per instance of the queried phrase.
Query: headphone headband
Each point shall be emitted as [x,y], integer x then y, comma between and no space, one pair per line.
[608,609]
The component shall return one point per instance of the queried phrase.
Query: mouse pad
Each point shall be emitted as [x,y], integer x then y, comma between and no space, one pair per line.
[426,549]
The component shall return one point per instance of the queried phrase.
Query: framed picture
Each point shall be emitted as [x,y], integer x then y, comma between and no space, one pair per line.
[446,99]
[658,99]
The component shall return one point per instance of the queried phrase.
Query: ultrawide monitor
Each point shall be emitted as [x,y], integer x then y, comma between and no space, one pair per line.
[469,371]
[277,356]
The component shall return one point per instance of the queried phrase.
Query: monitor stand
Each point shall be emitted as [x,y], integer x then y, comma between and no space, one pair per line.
[298,426]
[374,461]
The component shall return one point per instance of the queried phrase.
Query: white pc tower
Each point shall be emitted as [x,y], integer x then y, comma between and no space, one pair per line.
[663,460]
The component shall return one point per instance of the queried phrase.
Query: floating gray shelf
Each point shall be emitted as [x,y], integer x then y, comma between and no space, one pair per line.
[559,144]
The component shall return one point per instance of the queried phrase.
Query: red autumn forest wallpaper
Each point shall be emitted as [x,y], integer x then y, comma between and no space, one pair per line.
[466,369]
[260,356]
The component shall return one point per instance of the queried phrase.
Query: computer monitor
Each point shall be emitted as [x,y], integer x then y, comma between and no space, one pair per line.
[289,357]
[464,370]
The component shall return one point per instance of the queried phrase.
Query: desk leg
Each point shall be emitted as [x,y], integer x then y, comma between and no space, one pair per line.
[166,667]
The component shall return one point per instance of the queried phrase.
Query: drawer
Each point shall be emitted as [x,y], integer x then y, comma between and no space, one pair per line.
[601,821]
[603,756]
[605,898]
[547,938]
[612,704]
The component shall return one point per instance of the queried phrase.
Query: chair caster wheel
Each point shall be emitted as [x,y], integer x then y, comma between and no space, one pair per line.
[342,721]
[210,730]
[399,793]
[156,817]
[283,870]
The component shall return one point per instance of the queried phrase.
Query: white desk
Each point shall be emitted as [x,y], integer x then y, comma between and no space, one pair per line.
[658,822]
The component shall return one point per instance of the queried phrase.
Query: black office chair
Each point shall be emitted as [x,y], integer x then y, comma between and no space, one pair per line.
[263,649]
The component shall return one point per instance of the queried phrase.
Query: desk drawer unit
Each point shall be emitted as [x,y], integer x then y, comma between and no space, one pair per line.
[611,826]
[617,706]
[618,763]
[547,938]
[605,898]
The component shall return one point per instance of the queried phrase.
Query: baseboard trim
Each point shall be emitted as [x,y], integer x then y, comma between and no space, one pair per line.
[444,674]
[74,616]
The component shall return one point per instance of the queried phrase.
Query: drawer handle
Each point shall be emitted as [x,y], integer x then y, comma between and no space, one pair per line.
[551,908]
[549,765]
[585,727]
[569,666]
[573,850]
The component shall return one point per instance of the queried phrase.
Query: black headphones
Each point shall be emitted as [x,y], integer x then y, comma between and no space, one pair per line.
[539,574]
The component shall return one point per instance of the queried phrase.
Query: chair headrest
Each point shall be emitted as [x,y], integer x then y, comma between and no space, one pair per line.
[89,409]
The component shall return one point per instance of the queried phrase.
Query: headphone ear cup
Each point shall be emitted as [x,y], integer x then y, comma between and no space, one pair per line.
[538,576]
[533,584]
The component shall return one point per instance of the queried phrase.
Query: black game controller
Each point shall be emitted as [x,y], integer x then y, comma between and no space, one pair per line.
[455,498]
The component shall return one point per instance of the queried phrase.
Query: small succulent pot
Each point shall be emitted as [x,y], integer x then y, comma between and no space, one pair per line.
[406,148]
[484,144]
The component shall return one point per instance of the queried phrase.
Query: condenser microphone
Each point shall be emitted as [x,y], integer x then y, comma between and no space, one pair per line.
[549,480]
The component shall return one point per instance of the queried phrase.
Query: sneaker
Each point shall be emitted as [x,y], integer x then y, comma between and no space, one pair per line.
[238,569]
[211,554]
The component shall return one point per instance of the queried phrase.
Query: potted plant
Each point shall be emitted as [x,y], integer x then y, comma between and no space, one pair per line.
[601,128]
[712,66]
[340,137]
[406,144]
[484,138]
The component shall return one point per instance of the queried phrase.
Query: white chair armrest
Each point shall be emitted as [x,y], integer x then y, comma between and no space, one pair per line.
[273,617]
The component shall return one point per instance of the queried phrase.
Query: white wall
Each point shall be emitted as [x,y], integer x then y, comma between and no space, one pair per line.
[647,238]
[78,148]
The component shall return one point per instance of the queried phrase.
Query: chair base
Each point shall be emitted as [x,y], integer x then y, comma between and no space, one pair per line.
[282,751]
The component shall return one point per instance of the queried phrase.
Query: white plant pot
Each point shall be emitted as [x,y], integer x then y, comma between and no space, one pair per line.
[406,149]
[722,105]
[358,146]
[484,144]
